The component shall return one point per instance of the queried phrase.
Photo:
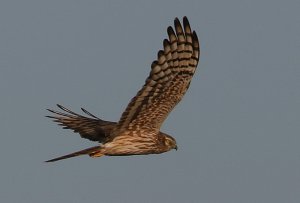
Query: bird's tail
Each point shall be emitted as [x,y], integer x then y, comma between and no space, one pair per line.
[92,151]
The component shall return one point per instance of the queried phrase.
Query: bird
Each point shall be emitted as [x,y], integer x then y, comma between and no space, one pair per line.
[138,130]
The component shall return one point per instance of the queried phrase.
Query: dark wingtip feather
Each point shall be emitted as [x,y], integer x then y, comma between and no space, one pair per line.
[196,40]
[170,31]
[166,42]
[186,24]
[160,53]
[62,107]
[89,113]
[178,26]
[154,63]
[176,22]
[52,111]
[51,117]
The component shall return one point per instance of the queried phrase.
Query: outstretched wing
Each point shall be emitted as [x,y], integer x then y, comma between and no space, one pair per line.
[92,128]
[168,81]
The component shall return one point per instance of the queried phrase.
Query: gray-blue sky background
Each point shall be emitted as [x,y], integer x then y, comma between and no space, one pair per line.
[238,128]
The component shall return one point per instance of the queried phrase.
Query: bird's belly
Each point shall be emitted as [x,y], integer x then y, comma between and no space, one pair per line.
[127,149]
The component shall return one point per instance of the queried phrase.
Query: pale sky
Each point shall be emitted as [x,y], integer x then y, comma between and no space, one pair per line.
[237,129]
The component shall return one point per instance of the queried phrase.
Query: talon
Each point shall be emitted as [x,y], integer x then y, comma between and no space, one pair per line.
[96,154]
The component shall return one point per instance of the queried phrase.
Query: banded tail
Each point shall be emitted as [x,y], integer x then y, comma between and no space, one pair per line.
[92,151]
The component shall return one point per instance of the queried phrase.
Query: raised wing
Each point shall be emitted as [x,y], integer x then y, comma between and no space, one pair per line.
[168,81]
[92,128]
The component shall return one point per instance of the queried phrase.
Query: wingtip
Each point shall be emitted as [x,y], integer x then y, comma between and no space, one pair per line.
[166,42]
[196,39]
[61,107]
[48,161]
[160,53]
[52,111]
[170,30]
[176,21]
[186,24]
[52,160]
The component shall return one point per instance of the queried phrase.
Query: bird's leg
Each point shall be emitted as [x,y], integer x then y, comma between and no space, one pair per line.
[96,154]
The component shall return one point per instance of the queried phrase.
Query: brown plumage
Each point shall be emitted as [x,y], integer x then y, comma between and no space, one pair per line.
[137,132]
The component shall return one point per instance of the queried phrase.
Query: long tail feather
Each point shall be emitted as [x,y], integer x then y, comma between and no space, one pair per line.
[91,150]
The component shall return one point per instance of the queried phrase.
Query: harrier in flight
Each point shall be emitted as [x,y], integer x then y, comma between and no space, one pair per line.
[138,130]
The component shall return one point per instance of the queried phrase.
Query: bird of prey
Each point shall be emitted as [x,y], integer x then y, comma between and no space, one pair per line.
[138,130]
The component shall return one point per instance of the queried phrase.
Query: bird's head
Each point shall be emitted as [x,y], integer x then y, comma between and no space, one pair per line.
[169,142]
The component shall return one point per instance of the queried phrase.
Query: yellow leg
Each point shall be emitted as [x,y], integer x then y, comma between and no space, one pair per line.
[96,154]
